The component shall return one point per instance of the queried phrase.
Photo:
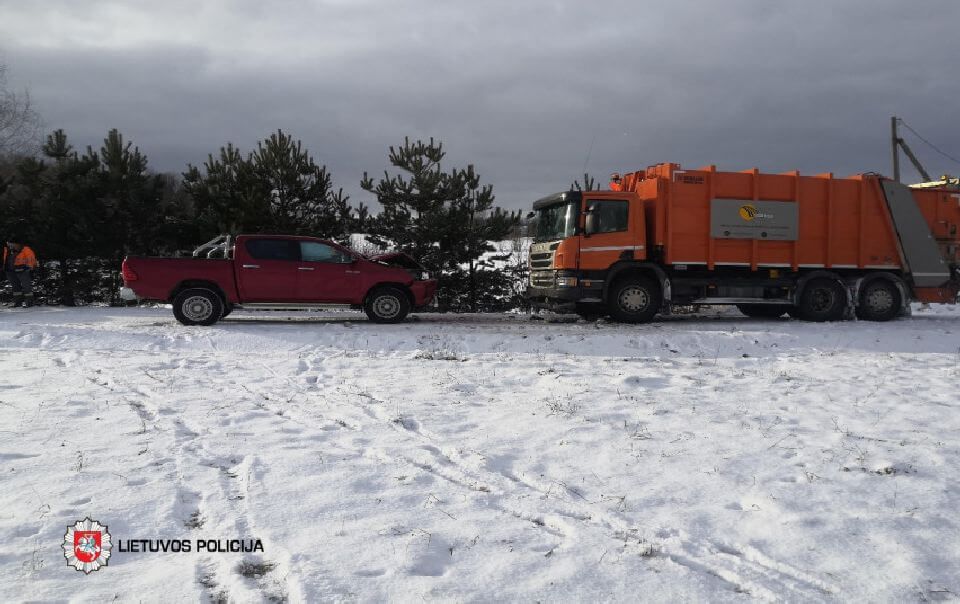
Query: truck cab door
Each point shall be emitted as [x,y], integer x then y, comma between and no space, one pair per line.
[613,230]
[327,274]
[267,269]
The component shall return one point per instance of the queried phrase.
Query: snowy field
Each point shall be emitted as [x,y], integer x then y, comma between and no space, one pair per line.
[484,458]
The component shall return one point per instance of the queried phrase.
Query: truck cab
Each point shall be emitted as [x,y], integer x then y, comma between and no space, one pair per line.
[579,236]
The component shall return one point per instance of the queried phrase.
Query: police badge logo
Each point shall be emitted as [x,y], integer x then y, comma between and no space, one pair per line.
[87,545]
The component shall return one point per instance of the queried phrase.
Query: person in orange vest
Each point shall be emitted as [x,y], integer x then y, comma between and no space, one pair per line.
[19,262]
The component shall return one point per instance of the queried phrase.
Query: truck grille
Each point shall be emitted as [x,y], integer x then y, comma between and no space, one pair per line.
[541,254]
[542,260]
[541,278]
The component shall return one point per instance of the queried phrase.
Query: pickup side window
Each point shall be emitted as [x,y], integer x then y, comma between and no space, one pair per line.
[273,249]
[611,214]
[312,251]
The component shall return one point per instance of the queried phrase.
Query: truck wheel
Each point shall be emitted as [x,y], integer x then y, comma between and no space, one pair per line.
[880,300]
[823,300]
[763,311]
[197,306]
[634,300]
[387,305]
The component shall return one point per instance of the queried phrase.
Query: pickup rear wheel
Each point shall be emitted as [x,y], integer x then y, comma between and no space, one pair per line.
[197,306]
[634,300]
[387,304]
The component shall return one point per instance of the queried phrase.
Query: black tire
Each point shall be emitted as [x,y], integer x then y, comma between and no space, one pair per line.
[197,306]
[823,300]
[634,300]
[387,304]
[227,309]
[880,300]
[764,311]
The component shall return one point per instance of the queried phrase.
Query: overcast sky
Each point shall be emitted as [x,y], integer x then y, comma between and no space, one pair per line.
[530,92]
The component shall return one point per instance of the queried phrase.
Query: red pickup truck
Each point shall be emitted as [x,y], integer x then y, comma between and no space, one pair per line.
[278,272]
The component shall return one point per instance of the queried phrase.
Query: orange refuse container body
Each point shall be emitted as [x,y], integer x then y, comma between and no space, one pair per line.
[747,238]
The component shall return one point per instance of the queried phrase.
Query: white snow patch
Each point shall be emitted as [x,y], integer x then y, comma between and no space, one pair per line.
[483,457]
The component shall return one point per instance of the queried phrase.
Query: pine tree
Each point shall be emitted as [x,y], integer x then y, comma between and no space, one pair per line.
[125,193]
[19,211]
[302,199]
[71,225]
[228,196]
[134,208]
[443,219]
[482,224]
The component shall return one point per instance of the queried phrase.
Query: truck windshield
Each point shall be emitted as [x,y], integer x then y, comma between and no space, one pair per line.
[556,222]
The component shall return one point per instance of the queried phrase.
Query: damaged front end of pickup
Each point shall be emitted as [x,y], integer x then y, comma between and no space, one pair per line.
[404,261]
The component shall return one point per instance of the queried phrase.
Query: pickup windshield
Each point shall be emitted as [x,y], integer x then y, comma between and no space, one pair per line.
[556,222]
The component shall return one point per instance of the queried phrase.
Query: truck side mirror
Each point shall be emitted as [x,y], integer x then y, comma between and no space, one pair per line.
[592,223]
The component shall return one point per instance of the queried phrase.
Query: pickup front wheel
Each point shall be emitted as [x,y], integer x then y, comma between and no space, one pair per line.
[197,306]
[387,304]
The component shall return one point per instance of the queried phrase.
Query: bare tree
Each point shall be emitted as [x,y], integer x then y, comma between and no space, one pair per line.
[19,123]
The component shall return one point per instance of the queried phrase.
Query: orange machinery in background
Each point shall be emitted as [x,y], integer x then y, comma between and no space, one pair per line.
[817,247]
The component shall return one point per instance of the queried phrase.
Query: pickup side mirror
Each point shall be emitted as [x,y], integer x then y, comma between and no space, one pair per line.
[592,223]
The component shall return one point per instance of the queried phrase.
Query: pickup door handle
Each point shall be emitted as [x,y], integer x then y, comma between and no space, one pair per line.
[304,268]
[251,266]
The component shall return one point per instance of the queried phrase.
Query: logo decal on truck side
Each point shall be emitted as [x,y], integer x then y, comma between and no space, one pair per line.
[749,211]
[749,219]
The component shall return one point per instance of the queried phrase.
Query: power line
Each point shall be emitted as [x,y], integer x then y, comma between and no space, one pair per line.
[929,144]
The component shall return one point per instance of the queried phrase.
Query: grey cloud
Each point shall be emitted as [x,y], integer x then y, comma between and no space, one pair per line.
[523,90]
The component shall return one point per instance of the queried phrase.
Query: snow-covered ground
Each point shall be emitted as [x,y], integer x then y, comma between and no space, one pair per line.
[483,458]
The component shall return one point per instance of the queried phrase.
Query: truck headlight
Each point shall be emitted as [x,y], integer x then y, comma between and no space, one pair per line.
[564,281]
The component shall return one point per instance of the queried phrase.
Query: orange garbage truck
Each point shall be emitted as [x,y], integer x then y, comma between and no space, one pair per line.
[816,247]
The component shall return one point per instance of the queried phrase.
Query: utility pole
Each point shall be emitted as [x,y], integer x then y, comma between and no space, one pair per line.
[899,142]
[896,154]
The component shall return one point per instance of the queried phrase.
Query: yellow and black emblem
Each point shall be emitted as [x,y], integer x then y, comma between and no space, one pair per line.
[748,212]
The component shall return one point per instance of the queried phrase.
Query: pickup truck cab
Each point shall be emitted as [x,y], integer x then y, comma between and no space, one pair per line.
[278,272]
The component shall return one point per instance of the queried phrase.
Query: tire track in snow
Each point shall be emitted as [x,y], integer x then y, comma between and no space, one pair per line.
[227,497]
[744,569]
